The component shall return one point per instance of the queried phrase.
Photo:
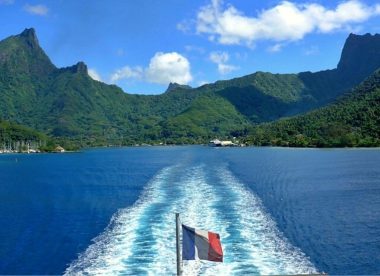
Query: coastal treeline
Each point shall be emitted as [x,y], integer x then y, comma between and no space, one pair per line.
[18,138]
[352,121]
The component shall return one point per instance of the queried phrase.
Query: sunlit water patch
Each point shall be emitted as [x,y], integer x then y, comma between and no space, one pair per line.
[141,239]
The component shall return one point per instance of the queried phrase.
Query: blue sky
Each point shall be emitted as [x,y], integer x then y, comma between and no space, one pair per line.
[143,45]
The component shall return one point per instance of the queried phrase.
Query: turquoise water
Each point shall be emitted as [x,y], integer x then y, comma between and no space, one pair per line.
[111,211]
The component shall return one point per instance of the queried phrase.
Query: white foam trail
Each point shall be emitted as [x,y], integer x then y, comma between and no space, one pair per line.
[141,239]
[198,209]
[269,250]
[107,254]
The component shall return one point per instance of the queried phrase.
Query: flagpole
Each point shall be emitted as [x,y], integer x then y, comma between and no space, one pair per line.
[177,228]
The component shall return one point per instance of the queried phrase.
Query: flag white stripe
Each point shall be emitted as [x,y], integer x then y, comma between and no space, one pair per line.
[201,244]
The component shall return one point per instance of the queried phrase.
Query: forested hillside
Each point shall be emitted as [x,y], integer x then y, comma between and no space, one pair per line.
[66,102]
[354,120]
[14,137]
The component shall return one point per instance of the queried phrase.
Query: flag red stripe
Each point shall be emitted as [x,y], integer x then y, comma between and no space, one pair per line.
[215,252]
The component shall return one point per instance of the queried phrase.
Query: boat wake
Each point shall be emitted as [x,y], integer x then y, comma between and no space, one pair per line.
[141,239]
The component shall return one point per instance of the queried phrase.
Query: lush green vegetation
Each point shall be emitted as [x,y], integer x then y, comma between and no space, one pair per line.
[208,117]
[18,138]
[78,111]
[354,120]
[14,137]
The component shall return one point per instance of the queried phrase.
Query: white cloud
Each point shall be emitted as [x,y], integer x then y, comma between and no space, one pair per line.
[377,9]
[36,9]
[127,73]
[162,69]
[221,59]
[275,48]
[169,67]
[94,74]
[226,68]
[6,2]
[285,22]
[241,56]
[193,48]
[184,26]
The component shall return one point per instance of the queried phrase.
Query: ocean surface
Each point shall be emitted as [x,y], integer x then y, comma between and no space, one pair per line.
[112,211]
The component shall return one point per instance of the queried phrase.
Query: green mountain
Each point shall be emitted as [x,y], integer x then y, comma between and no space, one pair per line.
[265,97]
[66,102]
[353,120]
[23,70]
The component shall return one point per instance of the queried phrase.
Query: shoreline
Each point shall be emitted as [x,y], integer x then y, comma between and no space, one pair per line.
[183,145]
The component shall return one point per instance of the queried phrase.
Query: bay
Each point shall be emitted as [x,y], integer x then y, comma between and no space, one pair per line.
[111,211]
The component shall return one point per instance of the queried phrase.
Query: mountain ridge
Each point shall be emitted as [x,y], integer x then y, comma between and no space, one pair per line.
[353,120]
[66,102]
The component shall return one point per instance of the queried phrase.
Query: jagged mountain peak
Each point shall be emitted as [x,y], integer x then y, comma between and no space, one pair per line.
[22,53]
[358,36]
[29,32]
[360,55]
[174,86]
[30,37]
[81,67]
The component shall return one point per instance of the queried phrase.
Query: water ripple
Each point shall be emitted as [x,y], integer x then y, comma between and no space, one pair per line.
[141,239]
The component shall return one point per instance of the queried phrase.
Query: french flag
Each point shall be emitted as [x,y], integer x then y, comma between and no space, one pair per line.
[201,245]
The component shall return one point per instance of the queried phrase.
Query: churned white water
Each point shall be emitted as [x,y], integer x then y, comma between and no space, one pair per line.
[141,239]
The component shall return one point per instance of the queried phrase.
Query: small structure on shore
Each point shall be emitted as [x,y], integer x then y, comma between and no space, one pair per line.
[59,149]
[218,143]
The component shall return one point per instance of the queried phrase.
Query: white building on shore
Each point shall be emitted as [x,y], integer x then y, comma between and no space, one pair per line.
[218,143]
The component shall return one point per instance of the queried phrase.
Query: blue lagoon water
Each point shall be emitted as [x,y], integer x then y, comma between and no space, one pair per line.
[111,211]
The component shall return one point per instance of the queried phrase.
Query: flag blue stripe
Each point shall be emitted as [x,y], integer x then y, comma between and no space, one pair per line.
[188,243]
